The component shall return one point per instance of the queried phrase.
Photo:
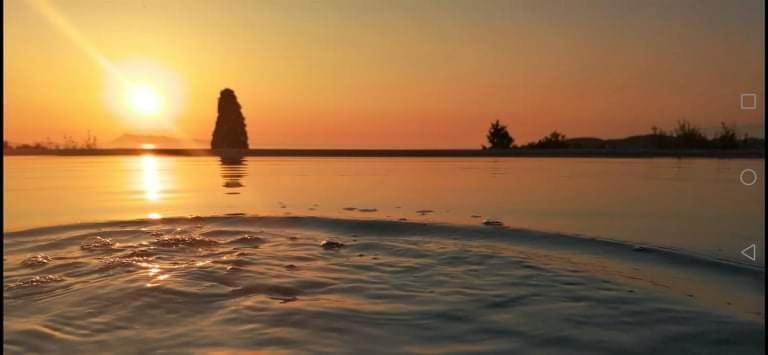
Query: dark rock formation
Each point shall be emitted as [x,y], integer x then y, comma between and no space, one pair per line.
[230,124]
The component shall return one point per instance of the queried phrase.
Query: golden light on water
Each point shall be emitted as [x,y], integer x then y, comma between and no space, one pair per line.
[151,179]
[155,282]
[152,182]
[154,272]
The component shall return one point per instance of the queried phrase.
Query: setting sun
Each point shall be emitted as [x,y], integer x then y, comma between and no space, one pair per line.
[144,100]
[399,176]
[144,94]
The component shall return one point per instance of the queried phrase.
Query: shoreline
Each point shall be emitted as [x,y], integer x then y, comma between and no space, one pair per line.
[394,153]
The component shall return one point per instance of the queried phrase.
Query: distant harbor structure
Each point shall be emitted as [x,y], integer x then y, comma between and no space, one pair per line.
[229,132]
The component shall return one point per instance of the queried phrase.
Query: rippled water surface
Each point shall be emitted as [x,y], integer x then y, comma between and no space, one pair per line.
[692,204]
[381,256]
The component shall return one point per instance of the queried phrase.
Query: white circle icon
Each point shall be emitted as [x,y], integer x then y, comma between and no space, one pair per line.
[748,177]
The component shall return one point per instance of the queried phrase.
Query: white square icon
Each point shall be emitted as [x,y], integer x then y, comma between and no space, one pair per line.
[748,101]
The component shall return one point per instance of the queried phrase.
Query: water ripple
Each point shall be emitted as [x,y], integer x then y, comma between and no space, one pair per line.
[237,284]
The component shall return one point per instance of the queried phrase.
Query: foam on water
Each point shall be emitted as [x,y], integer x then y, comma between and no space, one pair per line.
[235,283]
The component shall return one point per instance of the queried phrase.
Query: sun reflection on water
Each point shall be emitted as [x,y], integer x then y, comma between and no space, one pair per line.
[154,272]
[151,179]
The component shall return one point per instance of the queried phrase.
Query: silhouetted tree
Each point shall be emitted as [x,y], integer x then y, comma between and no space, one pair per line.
[554,140]
[688,136]
[229,132]
[69,143]
[498,137]
[661,139]
[748,142]
[90,142]
[726,138]
[51,144]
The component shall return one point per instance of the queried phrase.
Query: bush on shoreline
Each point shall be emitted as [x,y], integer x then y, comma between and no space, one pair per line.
[684,137]
[498,137]
[554,140]
[89,143]
[688,136]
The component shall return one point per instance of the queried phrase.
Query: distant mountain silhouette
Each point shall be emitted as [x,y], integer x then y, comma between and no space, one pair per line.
[229,132]
[160,142]
[638,142]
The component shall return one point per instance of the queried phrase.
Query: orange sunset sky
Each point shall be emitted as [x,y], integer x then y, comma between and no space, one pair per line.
[379,74]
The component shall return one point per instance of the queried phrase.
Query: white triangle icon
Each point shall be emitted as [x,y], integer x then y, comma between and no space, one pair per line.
[750,252]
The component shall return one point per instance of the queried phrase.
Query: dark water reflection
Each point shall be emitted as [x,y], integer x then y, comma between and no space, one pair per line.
[233,169]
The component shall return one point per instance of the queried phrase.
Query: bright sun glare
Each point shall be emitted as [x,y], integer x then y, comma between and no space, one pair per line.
[144,100]
[145,95]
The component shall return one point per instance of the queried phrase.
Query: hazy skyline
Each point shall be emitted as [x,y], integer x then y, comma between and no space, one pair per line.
[420,74]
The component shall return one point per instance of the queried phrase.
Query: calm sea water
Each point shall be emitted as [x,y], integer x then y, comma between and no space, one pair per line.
[149,254]
[698,205]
